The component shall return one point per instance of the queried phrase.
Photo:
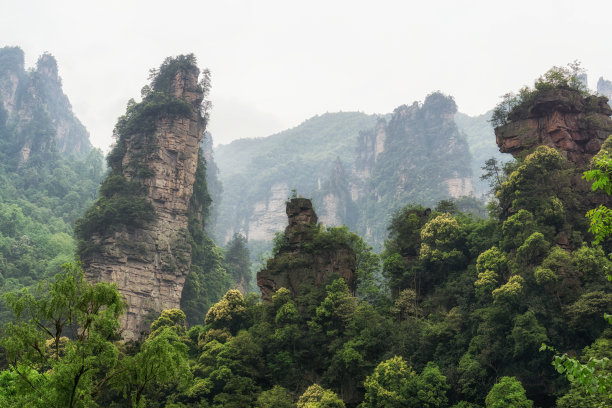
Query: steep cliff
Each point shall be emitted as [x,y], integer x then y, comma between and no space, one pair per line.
[301,261]
[358,169]
[36,110]
[575,124]
[418,156]
[141,231]
[259,174]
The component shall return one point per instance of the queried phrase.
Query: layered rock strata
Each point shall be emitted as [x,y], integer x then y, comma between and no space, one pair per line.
[561,118]
[299,264]
[150,263]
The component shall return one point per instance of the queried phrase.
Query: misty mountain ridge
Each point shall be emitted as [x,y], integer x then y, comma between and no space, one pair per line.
[339,160]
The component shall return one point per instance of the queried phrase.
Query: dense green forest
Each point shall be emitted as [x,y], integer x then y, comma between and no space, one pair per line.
[453,312]
[44,191]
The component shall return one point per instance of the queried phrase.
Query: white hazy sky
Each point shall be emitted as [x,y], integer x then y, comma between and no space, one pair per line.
[277,63]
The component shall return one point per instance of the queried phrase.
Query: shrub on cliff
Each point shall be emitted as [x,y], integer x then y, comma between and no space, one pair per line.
[514,106]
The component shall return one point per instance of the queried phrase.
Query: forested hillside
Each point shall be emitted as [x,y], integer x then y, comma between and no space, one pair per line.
[258,174]
[358,169]
[48,172]
[454,311]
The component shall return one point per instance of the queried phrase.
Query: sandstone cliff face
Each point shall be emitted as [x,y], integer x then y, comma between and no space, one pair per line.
[299,264]
[423,159]
[150,263]
[267,215]
[37,108]
[562,119]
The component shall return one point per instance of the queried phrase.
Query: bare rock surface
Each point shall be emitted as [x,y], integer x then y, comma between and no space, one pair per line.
[150,264]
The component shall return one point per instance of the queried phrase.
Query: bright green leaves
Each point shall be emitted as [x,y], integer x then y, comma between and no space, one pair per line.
[394,384]
[162,360]
[71,369]
[438,239]
[601,217]
[510,292]
[601,173]
[600,223]
[316,396]
[229,312]
[507,393]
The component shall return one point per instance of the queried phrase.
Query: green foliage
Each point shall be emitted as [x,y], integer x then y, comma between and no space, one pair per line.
[508,392]
[541,184]
[533,249]
[55,369]
[169,318]
[162,78]
[511,291]
[516,229]
[600,218]
[439,240]
[395,384]
[392,384]
[317,397]
[591,379]
[513,107]
[122,204]
[162,360]
[228,312]
[277,397]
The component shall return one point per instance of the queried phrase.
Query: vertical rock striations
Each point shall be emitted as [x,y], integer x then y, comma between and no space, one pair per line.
[301,261]
[136,234]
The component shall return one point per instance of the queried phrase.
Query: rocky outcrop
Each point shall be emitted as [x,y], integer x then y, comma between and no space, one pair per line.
[300,262]
[37,109]
[561,118]
[150,262]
